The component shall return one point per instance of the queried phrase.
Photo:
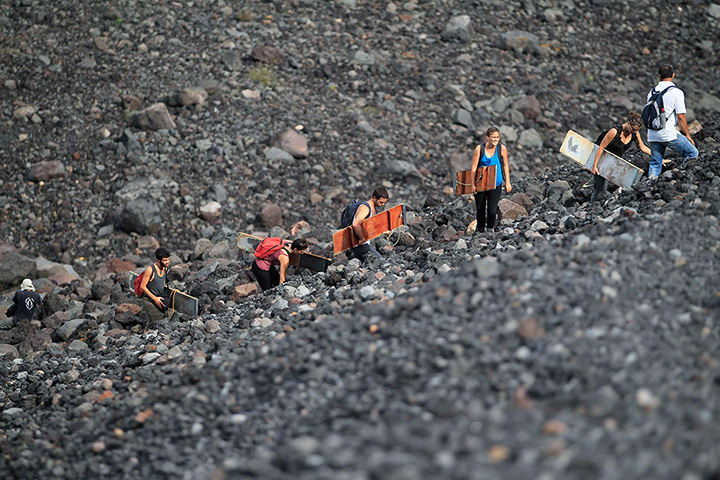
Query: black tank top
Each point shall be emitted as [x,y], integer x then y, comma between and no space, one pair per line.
[157,284]
[617,146]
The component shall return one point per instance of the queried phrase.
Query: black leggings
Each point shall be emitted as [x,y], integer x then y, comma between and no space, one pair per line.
[600,187]
[266,278]
[489,198]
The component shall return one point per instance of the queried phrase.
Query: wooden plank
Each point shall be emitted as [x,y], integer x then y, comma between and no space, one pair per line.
[485,179]
[180,302]
[315,263]
[615,169]
[372,227]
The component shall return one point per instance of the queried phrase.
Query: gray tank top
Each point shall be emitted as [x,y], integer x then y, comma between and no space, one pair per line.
[156,285]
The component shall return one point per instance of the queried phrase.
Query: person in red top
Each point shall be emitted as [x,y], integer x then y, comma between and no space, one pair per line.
[265,270]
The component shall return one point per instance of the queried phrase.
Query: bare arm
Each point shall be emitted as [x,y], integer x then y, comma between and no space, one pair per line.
[644,148]
[604,143]
[682,121]
[284,264]
[143,286]
[506,169]
[473,169]
[361,214]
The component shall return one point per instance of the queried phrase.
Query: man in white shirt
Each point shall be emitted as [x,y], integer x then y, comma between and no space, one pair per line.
[658,140]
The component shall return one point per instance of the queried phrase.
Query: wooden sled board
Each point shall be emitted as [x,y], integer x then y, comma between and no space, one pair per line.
[611,167]
[315,263]
[372,227]
[180,302]
[485,179]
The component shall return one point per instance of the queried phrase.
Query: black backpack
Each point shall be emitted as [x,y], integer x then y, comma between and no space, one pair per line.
[653,114]
[348,213]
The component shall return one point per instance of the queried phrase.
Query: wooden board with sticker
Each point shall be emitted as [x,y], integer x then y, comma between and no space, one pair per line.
[485,179]
[316,263]
[372,227]
[610,166]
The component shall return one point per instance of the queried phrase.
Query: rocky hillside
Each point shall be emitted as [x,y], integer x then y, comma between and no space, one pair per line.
[578,340]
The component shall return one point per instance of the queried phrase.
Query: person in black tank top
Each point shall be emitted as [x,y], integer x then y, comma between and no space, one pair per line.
[154,300]
[617,141]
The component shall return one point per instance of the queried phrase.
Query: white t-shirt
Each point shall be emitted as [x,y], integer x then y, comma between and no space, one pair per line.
[674,101]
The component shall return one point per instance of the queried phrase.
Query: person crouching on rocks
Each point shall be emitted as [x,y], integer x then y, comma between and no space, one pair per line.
[492,152]
[267,259]
[154,299]
[25,303]
[617,140]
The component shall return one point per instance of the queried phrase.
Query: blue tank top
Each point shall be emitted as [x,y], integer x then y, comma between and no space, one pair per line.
[494,160]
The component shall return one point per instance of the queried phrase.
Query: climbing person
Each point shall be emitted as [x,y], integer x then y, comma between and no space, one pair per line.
[617,140]
[25,303]
[363,211]
[664,110]
[492,152]
[154,297]
[271,253]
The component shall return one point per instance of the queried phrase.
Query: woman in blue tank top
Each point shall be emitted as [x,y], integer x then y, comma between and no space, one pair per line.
[492,152]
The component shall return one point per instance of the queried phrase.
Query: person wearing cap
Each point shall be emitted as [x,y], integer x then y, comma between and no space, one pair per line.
[25,302]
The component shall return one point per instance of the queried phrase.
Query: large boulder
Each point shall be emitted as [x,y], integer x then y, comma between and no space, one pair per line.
[48,170]
[292,142]
[458,28]
[271,215]
[141,215]
[267,54]
[68,329]
[529,106]
[14,268]
[189,96]
[519,41]
[47,269]
[8,352]
[155,117]
[510,210]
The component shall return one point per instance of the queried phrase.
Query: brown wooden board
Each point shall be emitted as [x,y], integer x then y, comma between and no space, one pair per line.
[372,227]
[485,179]
[315,263]
[180,302]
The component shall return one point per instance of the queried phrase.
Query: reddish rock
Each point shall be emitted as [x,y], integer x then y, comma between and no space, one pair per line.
[271,215]
[267,54]
[523,200]
[510,209]
[529,328]
[155,117]
[63,278]
[554,427]
[128,307]
[244,290]
[292,142]
[49,170]
[114,265]
[528,106]
[301,226]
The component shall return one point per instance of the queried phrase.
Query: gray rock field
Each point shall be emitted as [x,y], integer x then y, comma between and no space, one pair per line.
[578,340]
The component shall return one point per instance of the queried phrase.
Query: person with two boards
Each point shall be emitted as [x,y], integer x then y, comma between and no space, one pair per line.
[275,252]
[492,152]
